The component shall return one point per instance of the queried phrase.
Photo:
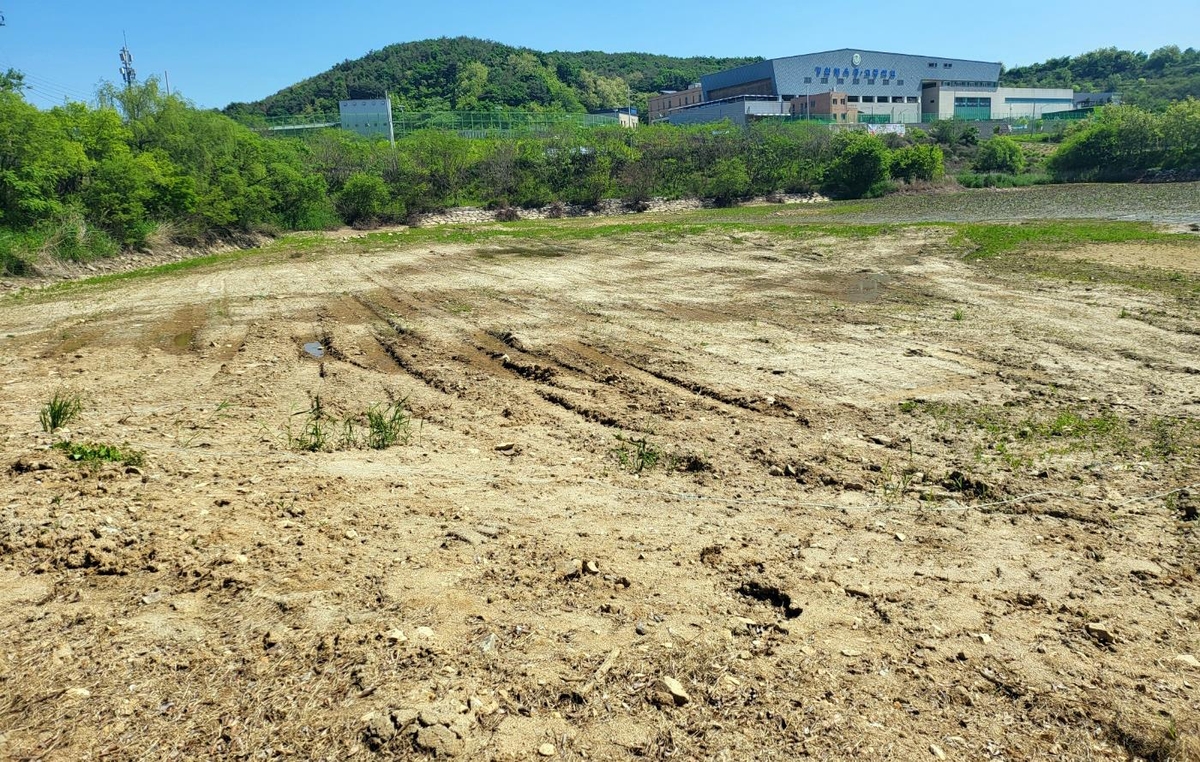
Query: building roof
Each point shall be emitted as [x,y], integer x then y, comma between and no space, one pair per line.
[787,75]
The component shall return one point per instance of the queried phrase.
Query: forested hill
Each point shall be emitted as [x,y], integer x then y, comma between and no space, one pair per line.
[1151,81]
[471,74]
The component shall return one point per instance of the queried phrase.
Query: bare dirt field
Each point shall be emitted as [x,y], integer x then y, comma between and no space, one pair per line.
[697,493]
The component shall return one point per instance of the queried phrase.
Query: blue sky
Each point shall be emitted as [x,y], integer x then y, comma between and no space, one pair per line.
[221,51]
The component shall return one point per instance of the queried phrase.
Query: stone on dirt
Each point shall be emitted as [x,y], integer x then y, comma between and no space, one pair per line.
[1100,632]
[676,690]
[569,569]
[547,750]
[936,751]
[469,536]
[1189,660]
[440,740]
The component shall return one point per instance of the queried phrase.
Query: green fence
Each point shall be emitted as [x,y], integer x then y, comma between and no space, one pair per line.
[1082,113]
[474,124]
[482,124]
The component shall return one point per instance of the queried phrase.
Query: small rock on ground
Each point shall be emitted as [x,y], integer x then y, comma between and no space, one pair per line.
[677,691]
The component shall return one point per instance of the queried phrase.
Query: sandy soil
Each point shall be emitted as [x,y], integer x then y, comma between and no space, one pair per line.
[902,509]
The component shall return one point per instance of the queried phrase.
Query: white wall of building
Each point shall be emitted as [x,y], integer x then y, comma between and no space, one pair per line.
[1006,102]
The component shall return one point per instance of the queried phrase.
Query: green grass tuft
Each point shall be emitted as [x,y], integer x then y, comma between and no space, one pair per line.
[60,410]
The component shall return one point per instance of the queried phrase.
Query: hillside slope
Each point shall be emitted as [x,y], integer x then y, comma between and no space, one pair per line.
[473,74]
[1151,81]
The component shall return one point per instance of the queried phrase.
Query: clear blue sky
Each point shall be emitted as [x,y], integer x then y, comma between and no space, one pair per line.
[221,51]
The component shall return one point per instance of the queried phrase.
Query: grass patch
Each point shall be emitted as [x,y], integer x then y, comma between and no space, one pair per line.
[984,241]
[1020,440]
[93,453]
[60,410]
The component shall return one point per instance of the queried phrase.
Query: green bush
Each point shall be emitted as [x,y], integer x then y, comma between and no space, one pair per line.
[362,198]
[860,164]
[1000,154]
[729,182]
[1117,143]
[917,162]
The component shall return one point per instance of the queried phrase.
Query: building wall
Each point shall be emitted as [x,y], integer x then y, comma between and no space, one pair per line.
[994,103]
[370,118]
[659,105]
[831,104]
[736,111]
[875,73]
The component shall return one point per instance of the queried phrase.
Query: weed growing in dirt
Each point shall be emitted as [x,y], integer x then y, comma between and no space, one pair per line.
[60,410]
[379,427]
[1172,436]
[640,454]
[387,425]
[197,428]
[958,316]
[314,434]
[93,453]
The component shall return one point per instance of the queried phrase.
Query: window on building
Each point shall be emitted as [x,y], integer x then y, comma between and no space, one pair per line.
[868,99]
[870,81]
[808,80]
[899,82]
[855,81]
[913,99]
[947,66]
[841,80]
[897,99]
[852,98]
[932,64]
[824,80]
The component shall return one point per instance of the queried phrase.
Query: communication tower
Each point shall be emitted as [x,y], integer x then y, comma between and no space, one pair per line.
[127,72]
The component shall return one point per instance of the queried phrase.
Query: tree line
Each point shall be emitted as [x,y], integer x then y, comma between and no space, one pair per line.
[142,167]
[469,74]
[1151,80]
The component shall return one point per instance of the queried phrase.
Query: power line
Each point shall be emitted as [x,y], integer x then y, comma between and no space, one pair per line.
[51,84]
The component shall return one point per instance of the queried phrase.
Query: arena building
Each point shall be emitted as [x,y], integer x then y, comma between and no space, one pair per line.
[880,87]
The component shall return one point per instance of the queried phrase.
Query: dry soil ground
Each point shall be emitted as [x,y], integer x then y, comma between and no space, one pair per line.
[892,504]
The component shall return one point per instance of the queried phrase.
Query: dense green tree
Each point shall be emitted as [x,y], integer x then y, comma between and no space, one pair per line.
[860,164]
[730,181]
[362,198]
[1000,154]
[917,162]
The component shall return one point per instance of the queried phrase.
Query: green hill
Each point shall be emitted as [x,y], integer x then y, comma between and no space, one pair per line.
[1150,81]
[472,74]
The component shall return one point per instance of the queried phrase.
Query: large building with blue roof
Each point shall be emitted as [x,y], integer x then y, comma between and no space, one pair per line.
[881,87]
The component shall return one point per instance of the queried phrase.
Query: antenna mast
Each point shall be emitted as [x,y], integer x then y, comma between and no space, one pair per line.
[127,72]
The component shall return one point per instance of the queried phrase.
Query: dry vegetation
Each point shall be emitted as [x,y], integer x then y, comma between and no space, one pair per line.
[666,492]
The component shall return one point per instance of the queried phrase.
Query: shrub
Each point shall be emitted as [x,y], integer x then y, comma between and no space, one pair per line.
[1000,154]
[729,182]
[362,198]
[917,162]
[860,164]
